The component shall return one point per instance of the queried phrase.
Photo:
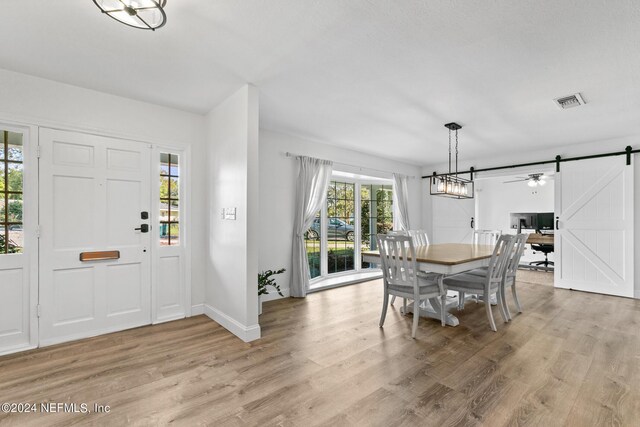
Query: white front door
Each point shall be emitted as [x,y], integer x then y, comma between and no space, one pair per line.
[453,219]
[594,242]
[18,245]
[93,191]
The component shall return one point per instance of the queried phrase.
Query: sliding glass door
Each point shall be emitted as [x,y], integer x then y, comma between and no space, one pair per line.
[355,211]
[376,213]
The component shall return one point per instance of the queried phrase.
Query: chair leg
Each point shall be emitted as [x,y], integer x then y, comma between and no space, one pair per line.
[503,313]
[492,323]
[460,301]
[384,308]
[416,317]
[515,298]
[443,310]
[393,300]
[504,302]
[404,306]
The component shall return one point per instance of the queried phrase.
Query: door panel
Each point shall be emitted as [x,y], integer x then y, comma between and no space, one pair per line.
[594,243]
[12,302]
[452,220]
[68,214]
[95,188]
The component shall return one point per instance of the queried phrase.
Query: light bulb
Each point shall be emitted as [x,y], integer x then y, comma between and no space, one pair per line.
[542,182]
[532,183]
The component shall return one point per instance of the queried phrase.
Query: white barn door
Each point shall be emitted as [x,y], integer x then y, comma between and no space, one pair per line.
[594,242]
[453,220]
[93,191]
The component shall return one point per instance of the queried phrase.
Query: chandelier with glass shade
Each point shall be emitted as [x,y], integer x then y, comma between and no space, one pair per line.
[450,184]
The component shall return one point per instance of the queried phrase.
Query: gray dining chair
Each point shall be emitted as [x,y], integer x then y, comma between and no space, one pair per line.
[480,237]
[510,273]
[491,282]
[486,237]
[402,278]
[419,238]
[512,270]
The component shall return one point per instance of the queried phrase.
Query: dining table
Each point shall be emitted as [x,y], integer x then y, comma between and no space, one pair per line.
[444,259]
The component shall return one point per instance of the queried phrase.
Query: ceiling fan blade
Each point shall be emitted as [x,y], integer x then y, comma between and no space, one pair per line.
[517,180]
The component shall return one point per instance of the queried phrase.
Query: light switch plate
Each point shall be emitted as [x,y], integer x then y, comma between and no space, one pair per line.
[229,214]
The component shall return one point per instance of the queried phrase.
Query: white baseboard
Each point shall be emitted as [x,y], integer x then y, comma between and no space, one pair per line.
[91,334]
[169,319]
[197,309]
[274,295]
[17,349]
[245,333]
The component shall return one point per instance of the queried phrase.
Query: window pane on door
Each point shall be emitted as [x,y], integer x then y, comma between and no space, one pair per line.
[376,215]
[169,199]
[340,227]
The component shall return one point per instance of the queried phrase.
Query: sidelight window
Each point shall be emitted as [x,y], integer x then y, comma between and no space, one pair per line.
[11,192]
[169,199]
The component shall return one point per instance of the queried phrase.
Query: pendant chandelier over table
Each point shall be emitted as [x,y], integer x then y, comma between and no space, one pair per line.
[450,184]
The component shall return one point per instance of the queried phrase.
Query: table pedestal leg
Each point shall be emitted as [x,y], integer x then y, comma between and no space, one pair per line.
[431,308]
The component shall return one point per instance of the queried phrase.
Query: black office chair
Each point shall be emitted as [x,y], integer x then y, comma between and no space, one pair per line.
[546,250]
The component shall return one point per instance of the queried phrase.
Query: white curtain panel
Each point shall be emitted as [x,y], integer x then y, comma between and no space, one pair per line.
[401,196]
[311,193]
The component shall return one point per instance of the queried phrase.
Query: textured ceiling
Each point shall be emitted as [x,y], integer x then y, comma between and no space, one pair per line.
[377,76]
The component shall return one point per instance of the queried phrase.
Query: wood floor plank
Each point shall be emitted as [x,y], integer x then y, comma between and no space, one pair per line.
[570,358]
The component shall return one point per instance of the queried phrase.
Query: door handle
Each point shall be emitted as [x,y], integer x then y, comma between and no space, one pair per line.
[557,223]
[472,222]
[144,228]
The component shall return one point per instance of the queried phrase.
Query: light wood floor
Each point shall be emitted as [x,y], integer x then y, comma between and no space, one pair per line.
[570,359]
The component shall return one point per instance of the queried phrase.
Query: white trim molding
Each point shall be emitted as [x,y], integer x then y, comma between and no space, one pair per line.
[274,295]
[245,333]
[196,310]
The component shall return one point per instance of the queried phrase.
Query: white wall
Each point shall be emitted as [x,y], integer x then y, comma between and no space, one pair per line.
[31,100]
[598,147]
[232,263]
[495,201]
[278,175]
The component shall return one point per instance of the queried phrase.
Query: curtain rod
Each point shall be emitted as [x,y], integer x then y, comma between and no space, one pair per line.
[627,151]
[288,154]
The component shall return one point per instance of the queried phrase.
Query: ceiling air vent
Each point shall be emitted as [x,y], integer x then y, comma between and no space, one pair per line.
[569,101]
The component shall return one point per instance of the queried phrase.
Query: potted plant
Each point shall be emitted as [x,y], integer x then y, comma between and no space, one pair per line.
[265,280]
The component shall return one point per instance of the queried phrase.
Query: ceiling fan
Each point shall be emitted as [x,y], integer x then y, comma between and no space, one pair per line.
[534,179]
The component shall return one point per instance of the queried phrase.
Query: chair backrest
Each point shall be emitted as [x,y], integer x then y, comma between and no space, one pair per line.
[486,237]
[419,237]
[397,233]
[518,250]
[398,260]
[502,253]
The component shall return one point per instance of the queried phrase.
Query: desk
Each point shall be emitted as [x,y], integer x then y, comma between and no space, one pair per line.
[540,239]
[445,259]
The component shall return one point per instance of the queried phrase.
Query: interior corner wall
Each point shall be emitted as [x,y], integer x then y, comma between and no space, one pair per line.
[278,175]
[232,256]
[36,101]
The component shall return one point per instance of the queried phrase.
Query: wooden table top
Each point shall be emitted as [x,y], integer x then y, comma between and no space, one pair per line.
[540,239]
[448,253]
